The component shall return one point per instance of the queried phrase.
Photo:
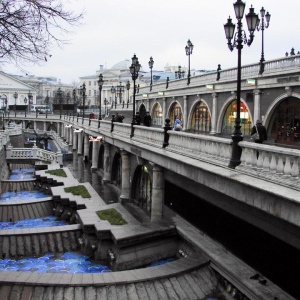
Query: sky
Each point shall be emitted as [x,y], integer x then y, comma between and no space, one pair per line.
[115,30]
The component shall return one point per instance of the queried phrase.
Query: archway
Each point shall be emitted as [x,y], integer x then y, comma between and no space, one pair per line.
[175,110]
[230,116]
[201,119]
[142,188]
[116,174]
[284,125]
[142,111]
[157,115]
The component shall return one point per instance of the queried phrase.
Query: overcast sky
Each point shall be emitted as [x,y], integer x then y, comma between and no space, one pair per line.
[116,29]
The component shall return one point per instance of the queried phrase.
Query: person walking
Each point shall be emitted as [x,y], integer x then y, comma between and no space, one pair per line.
[259,134]
[147,119]
[177,124]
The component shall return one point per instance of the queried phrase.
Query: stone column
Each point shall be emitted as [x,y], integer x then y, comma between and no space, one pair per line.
[185,112]
[86,147]
[106,163]
[157,193]
[45,126]
[75,139]
[256,113]
[214,114]
[71,136]
[125,177]
[79,142]
[95,155]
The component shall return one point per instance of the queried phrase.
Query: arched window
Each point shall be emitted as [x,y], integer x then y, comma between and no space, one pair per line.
[117,170]
[157,117]
[229,119]
[175,111]
[201,121]
[284,125]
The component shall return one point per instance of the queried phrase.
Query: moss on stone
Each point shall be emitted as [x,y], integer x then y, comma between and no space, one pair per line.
[57,172]
[112,216]
[78,190]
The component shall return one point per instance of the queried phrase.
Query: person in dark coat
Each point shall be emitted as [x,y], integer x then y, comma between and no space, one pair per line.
[138,118]
[147,119]
[262,131]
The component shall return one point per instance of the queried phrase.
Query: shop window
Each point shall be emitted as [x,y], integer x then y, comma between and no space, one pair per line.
[201,120]
[230,116]
[157,117]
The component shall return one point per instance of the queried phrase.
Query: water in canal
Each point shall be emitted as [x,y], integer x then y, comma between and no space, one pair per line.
[82,172]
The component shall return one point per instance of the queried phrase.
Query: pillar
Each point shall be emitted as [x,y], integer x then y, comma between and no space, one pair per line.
[164,110]
[95,155]
[75,139]
[157,193]
[185,112]
[86,147]
[79,143]
[125,177]
[71,135]
[45,126]
[256,113]
[214,114]
[106,163]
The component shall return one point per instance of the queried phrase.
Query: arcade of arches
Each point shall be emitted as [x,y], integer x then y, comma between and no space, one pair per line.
[283,127]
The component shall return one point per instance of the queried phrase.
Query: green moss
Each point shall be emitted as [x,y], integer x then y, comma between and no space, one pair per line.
[57,172]
[78,190]
[112,216]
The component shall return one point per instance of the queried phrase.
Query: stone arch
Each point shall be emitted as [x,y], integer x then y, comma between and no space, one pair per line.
[223,112]
[116,171]
[192,109]
[142,111]
[141,188]
[157,115]
[171,114]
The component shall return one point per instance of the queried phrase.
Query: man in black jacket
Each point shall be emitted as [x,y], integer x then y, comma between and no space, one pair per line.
[262,131]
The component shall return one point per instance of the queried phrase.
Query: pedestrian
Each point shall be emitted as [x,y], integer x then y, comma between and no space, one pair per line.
[259,134]
[138,119]
[177,124]
[147,119]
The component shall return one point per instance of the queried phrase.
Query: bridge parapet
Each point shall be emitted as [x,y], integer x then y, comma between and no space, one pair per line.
[271,163]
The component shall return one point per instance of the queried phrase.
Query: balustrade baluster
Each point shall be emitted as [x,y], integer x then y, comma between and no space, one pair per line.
[266,162]
[295,168]
[280,166]
[287,167]
[260,160]
[273,163]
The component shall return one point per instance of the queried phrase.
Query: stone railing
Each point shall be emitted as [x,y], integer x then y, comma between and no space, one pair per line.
[271,163]
[150,136]
[34,153]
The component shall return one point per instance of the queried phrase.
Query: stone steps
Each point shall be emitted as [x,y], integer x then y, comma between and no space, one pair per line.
[11,212]
[16,244]
[197,284]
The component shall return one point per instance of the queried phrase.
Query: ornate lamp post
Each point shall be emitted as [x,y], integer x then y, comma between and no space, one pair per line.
[151,63]
[105,103]
[59,95]
[83,98]
[134,70]
[30,97]
[120,90]
[16,97]
[113,92]
[179,73]
[25,102]
[128,88]
[100,84]
[189,50]
[238,41]
[261,26]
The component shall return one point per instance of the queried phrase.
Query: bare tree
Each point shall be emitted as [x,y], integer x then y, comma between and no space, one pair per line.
[30,28]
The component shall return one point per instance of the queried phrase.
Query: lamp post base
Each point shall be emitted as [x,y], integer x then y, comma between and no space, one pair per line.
[236,152]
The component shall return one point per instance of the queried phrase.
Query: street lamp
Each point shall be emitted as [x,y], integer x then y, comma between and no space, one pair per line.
[15,96]
[59,95]
[134,70]
[113,92]
[189,50]
[25,102]
[264,17]
[128,88]
[179,73]
[238,41]
[83,97]
[100,84]
[30,96]
[120,89]
[151,63]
